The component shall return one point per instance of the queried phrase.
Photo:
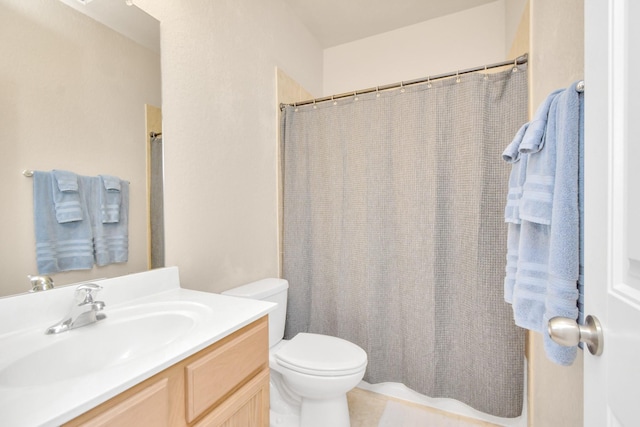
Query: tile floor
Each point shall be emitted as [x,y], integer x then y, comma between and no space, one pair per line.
[369,409]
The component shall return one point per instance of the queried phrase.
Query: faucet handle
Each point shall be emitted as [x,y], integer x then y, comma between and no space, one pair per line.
[85,293]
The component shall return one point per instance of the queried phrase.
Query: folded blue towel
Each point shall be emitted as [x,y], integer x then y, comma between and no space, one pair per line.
[66,198]
[536,204]
[534,139]
[512,209]
[59,246]
[529,290]
[511,269]
[110,198]
[517,177]
[111,239]
[511,154]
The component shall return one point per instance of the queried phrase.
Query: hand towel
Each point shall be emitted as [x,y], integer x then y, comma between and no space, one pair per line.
[59,246]
[537,191]
[534,139]
[511,154]
[517,177]
[66,198]
[111,239]
[110,198]
[511,213]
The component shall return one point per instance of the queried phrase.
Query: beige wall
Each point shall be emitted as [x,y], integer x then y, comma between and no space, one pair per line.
[556,60]
[453,42]
[72,97]
[515,11]
[219,132]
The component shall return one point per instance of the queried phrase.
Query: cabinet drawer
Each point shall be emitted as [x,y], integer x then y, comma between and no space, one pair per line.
[148,407]
[219,373]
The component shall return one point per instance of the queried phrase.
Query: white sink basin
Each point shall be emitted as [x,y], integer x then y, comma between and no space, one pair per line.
[125,334]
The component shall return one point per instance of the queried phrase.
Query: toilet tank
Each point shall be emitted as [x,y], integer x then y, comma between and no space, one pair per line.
[273,290]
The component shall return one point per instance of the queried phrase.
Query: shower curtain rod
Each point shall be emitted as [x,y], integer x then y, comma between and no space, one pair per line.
[519,60]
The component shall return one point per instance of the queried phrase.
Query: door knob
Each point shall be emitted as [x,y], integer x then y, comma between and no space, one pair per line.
[567,332]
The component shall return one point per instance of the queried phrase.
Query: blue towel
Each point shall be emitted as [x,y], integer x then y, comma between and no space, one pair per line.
[511,212]
[564,240]
[110,198]
[536,204]
[59,246]
[66,198]
[534,139]
[529,290]
[544,257]
[581,205]
[111,240]
[517,177]
[511,154]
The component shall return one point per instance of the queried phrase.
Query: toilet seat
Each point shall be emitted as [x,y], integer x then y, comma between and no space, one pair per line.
[321,355]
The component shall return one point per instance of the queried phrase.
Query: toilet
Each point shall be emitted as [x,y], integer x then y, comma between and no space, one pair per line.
[311,373]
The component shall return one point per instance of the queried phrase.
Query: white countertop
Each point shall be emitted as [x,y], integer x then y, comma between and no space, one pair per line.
[24,318]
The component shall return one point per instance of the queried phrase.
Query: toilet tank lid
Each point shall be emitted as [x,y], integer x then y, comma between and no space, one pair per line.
[259,289]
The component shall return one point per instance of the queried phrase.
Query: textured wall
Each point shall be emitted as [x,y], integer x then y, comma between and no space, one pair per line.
[220,132]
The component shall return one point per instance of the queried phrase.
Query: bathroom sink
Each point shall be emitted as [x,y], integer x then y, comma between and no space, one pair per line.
[126,334]
[152,323]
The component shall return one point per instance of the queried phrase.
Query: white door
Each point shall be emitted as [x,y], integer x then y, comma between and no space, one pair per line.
[612,209]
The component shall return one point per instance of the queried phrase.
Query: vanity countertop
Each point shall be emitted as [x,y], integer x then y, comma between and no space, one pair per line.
[35,392]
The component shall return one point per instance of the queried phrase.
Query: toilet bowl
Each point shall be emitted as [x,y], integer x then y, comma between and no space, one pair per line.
[311,373]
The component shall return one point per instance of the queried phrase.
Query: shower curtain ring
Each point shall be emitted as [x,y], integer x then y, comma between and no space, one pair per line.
[486,74]
[515,65]
[314,104]
[401,87]
[355,95]
[377,91]
[334,102]
[429,82]
[458,76]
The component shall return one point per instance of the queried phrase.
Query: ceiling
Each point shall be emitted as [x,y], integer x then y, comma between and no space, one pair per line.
[131,22]
[335,22]
[332,22]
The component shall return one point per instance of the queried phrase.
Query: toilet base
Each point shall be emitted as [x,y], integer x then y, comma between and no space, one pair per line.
[277,419]
[284,408]
[326,412]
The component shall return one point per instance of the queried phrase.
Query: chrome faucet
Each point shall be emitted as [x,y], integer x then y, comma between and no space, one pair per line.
[40,283]
[83,312]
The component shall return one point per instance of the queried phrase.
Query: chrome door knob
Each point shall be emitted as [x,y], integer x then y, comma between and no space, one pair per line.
[567,332]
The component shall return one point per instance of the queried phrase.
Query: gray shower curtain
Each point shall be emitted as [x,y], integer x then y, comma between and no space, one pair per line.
[394,236]
[156,202]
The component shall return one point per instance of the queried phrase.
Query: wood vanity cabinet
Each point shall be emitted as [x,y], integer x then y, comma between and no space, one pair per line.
[226,384]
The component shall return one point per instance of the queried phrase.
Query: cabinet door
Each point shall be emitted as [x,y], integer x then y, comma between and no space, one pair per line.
[248,407]
[214,376]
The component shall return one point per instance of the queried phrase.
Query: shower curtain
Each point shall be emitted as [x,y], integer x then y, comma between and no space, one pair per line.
[394,236]
[156,202]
